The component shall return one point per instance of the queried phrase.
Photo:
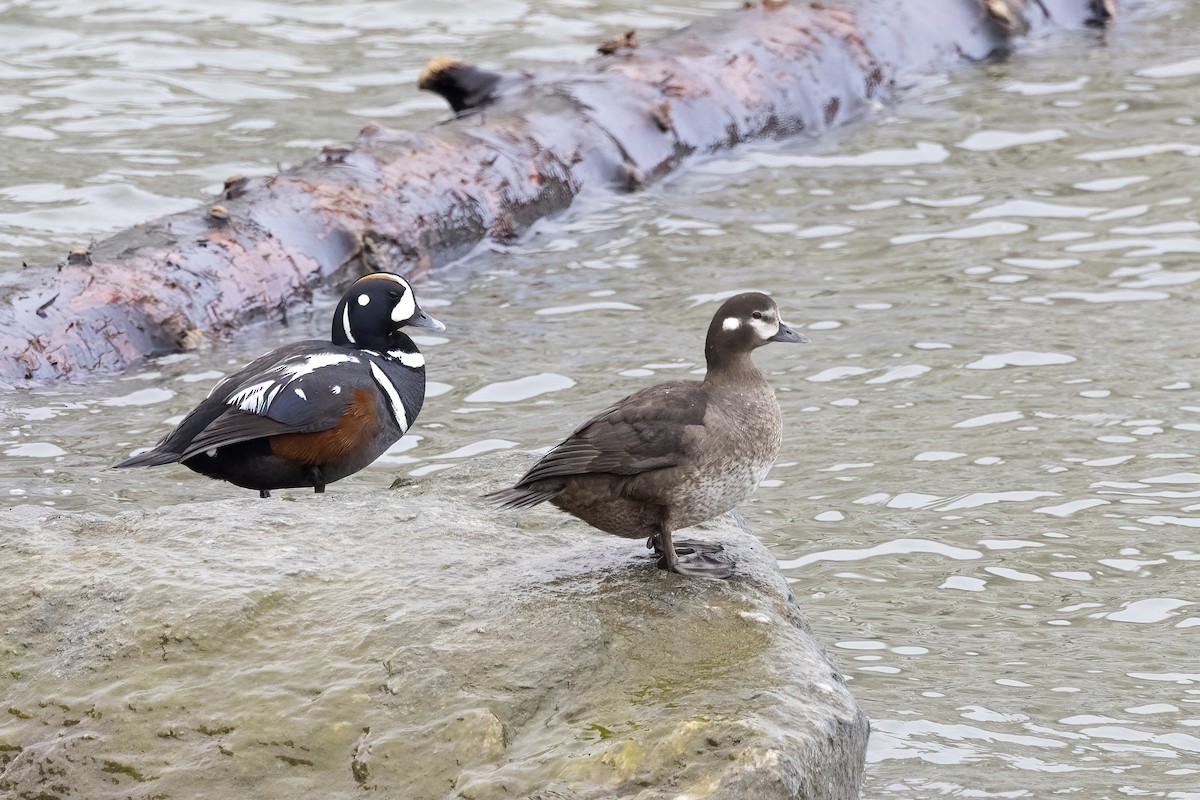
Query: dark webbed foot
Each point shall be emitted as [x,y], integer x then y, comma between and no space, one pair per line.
[684,547]
[699,565]
[264,492]
[697,559]
[319,489]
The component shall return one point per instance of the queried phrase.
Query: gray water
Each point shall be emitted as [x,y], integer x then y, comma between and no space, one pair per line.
[989,490]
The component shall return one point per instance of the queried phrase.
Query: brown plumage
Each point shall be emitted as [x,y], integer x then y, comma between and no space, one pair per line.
[675,454]
[353,430]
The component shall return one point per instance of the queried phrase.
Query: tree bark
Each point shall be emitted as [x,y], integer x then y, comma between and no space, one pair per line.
[409,202]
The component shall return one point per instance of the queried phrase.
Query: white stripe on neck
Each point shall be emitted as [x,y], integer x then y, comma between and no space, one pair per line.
[346,324]
[394,403]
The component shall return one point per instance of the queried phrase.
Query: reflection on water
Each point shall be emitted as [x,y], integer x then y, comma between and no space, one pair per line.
[989,490]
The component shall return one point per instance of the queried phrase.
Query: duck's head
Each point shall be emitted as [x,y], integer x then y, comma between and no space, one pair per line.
[374,309]
[743,323]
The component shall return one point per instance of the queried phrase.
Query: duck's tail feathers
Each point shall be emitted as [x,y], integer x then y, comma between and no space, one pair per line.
[518,497]
[151,458]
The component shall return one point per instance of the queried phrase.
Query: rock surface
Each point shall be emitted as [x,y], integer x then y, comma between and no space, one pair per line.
[415,643]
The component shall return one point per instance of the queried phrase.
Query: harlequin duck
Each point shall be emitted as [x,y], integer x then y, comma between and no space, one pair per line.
[675,454]
[313,412]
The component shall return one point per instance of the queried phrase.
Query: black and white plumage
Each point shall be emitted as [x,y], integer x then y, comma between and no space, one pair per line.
[675,454]
[313,412]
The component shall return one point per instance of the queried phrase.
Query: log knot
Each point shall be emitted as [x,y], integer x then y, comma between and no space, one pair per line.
[1009,15]
[80,257]
[1102,12]
[218,216]
[335,153]
[661,114]
[626,41]
[380,252]
[235,186]
[464,86]
[183,331]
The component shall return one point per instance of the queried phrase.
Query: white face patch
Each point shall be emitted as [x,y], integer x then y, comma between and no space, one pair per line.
[363,299]
[405,307]
[765,328]
[731,323]
[346,324]
[394,403]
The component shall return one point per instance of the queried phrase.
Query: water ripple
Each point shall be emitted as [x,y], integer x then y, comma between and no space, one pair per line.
[989,482]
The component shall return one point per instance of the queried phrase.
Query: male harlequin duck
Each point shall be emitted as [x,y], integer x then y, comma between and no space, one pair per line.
[675,454]
[312,412]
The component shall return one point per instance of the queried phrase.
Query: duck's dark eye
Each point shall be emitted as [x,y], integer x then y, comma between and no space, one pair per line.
[393,294]
[757,315]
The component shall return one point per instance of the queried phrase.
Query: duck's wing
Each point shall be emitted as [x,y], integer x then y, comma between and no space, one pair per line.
[307,392]
[301,388]
[652,429]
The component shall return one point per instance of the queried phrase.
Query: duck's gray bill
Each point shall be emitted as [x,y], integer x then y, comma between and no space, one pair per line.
[786,334]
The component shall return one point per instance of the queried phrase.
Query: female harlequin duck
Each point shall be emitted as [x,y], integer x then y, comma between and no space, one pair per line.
[675,454]
[312,412]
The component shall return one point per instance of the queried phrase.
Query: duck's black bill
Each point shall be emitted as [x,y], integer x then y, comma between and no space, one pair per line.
[786,334]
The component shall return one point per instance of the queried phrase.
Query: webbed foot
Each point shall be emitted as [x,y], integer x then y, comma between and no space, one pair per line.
[697,559]
[686,547]
[711,564]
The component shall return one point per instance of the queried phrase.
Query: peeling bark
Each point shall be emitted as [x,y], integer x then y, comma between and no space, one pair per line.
[409,202]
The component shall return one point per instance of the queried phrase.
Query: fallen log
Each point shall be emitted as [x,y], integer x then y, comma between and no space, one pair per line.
[409,202]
